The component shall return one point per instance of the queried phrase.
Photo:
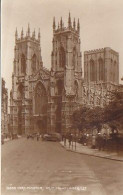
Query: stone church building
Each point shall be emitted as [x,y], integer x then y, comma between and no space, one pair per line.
[42,100]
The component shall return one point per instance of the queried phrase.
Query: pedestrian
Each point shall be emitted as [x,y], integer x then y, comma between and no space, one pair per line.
[104,138]
[99,141]
[64,141]
[93,141]
[70,138]
[84,139]
[37,137]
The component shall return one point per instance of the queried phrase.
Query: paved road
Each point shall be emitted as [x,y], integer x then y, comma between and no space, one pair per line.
[36,167]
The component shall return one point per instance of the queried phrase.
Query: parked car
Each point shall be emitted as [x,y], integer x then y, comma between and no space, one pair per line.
[14,136]
[51,137]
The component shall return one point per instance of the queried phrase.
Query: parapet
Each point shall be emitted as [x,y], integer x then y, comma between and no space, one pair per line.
[100,50]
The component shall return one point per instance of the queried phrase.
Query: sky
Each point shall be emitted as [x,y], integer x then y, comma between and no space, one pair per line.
[101,25]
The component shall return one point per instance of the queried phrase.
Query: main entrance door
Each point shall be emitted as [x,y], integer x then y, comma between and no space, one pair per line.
[42,125]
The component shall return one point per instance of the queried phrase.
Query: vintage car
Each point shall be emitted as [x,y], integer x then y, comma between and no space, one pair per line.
[51,137]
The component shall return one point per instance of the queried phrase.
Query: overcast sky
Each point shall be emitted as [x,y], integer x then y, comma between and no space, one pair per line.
[101,25]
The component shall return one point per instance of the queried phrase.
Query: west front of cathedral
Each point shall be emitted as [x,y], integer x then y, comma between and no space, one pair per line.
[43,100]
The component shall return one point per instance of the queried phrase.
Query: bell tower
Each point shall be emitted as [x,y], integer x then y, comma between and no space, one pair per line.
[66,71]
[27,63]
[27,58]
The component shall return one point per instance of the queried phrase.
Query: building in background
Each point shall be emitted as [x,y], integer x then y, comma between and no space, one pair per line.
[101,76]
[4,109]
[43,100]
[101,66]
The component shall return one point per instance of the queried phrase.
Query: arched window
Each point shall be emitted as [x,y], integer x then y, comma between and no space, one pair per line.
[74,57]
[23,64]
[20,91]
[111,70]
[40,99]
[101,70]
[62,57]
[114,71]
[92,71]
[34,63]
[59,85]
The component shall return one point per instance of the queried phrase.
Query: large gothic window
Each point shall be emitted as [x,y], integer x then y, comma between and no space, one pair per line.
[101,70]
[40,99]
[92,71]
[74,57]
[62,57]
[34,63]
[59,85]
[23,64]
[20,91]
[111,71]
[115,71]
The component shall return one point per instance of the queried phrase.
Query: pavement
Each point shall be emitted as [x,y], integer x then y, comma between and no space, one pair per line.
[45,168]
[87,150]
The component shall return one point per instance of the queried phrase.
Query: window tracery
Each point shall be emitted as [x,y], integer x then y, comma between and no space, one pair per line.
[34,59]
[62,57]
[101,70]
[23,64]
[92,70]
[40,99]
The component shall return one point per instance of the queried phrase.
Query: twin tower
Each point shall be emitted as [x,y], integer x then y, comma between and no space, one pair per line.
[42,100]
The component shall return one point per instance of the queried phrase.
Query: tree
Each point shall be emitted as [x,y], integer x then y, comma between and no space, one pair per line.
[88,118]
[113,113]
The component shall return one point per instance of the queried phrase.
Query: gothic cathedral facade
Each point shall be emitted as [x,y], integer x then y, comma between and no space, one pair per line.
[42,100]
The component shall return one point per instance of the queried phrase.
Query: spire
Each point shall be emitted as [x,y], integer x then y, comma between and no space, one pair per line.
[61,23]
[28,31]
[39,35]
[54,25]
[69,21]
[22,34]
[58,25]
[34,33]
[16,34]
[74,24]
[78,26]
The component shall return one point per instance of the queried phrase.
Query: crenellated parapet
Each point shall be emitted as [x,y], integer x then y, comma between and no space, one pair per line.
[94,51]
[100,50]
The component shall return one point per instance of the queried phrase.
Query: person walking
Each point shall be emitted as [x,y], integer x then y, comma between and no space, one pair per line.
[99,141]
[70,139]
[64,140]
[93,141]
[37,137]
[104,139]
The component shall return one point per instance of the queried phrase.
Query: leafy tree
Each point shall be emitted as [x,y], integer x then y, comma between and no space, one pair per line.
[114,111]
[88,118]
[112,114]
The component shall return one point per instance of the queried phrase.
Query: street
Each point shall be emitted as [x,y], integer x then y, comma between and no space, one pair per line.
[39,167]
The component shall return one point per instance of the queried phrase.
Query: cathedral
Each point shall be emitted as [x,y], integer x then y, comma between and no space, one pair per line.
[43,100]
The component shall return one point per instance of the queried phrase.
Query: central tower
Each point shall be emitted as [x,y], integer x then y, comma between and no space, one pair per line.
[66,73]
